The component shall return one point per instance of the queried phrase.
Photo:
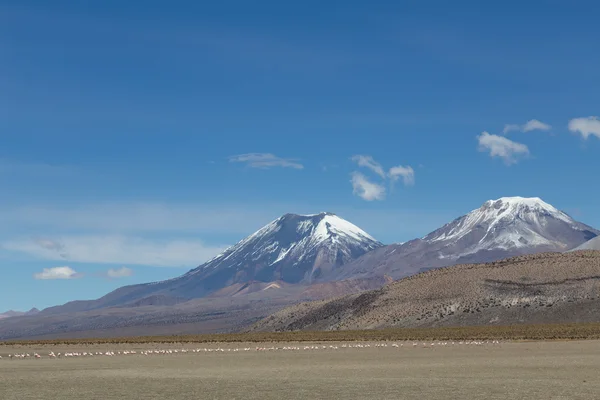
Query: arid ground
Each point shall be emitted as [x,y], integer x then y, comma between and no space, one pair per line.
[508,370]
[544,288]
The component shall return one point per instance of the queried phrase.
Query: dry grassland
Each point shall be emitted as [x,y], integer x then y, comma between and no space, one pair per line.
[517,370]
[513,332]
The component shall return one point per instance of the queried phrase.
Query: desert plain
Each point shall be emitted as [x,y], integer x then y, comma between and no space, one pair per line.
[302,370]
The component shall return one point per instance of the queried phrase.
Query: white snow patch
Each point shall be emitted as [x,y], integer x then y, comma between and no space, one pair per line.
[332,224]
[272,286]
[283,253]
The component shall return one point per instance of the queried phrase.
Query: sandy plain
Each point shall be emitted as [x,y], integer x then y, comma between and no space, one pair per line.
[508,370]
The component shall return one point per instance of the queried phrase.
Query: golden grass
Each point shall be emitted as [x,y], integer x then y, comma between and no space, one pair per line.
[514,332]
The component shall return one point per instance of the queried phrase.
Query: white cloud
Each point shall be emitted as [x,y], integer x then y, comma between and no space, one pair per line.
[407,173]
[369,190]
[499,146]
[57,273]
[366,189]
[265,160]
[369,162]
[510,128]
[102,249]
[122,272]
[586,127]
[534,124]
[531,125]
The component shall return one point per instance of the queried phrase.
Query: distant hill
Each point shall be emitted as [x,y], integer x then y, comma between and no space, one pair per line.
[593,244]
[12,313]
[541,288]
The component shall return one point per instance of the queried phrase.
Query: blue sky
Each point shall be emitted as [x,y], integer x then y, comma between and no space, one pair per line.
[144,137]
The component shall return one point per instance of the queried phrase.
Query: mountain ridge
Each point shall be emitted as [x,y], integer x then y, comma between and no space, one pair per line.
[538,288]
[13,313]
[318,256]
[501,228]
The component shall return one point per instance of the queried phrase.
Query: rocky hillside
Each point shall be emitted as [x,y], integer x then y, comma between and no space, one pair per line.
[548,287]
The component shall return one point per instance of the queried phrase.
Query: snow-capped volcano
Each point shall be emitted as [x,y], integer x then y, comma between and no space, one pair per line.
[293,248]
[290,250]
[511,223]
[501,228]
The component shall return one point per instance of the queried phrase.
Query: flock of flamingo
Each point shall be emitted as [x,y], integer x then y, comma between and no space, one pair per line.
[155,352]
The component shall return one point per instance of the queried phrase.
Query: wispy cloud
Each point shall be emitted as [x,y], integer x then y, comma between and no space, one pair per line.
[535,125]
[51,245]
[122,272]
[406,173]
[370,163]
[499,146]
[586,126]
[57,273]
[510,128]
[114,249]
[48,225]
[531,125]
[265,160]
[366,189]
[369,190]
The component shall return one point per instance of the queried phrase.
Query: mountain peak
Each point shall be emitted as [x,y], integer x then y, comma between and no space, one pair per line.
[512,223]
[322,226]
[533,203]
[506,208]
[318,215]
[13,313]
[501,228]
[293,248]
[289,250]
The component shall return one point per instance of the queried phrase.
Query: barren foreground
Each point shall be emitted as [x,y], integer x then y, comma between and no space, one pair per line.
[531,370]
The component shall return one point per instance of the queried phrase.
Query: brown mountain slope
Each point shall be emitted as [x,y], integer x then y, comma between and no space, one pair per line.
[548,287]
[231,309]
